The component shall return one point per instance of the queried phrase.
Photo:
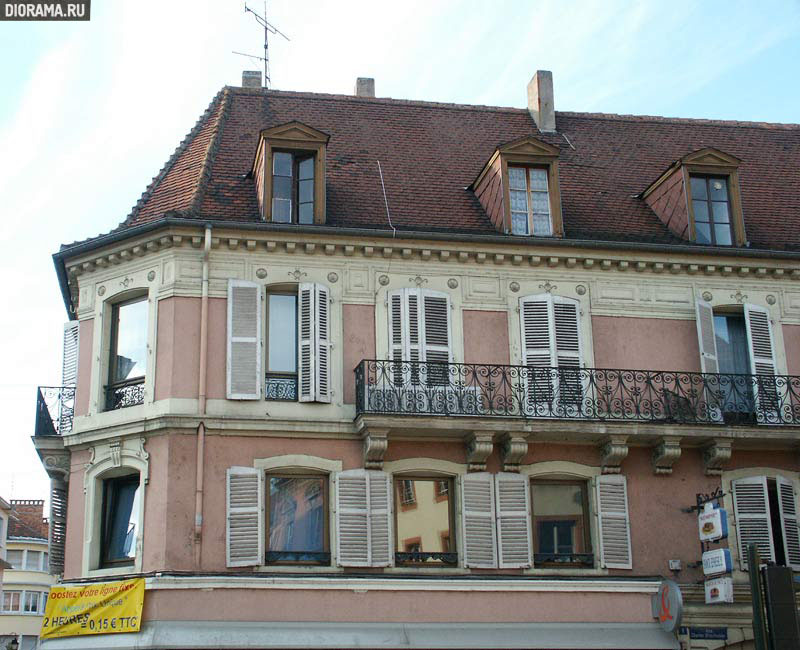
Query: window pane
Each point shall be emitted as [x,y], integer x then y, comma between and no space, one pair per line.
[519,201]
[703,231]
[282,163]
[296,514]
[306,213]
[698,188]
[541,202]
[32,560]
[306,191]
[516,178]
[14,558]
[559,518]
[720,211]
[281,210]
[719,189]
[519,223]
[11,601]
[541,225]
[281,187]
[423,515]
[32,601]
[131,338]
[306,169]
[121,509]
[43,602]
[722,234]
[700,210]
[282,350]
[538,179]
[46,562]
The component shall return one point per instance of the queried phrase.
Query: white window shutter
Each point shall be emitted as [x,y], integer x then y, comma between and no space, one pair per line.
[513,499]
[478,520]
[762,361]
[537,337]
[398,333]
[753,524]
[322,343]
[243,364]
[245,517]
[69,366]
[352,518]
[613,522]
[306,341]
[380,518]
[569,353]
[706,337]
[787,502]
[436,327]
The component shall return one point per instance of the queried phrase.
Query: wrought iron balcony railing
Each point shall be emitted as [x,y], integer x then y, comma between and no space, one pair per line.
[412,388]
[124,394]
[55,407]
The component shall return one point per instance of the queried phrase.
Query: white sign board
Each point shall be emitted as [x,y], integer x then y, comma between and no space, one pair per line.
[712,523]
[719,590]
[717,561]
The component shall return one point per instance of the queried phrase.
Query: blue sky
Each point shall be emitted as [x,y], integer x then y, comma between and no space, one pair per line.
[91,111]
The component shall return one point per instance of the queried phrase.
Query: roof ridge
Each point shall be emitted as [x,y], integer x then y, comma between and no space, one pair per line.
[624,117]
[187,140]
[211,151]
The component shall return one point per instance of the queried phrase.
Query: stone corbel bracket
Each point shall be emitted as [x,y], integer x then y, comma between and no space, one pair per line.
[376,441]
[716,455]
[479,448]
[56,464]
[665,454]
[513,450]
[613,449]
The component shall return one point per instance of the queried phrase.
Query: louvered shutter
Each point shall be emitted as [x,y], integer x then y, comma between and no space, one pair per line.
[512,493]
[244,340]
[363,518]
[322,341]
[762,362]
[706,337]
[306,341]
[69,366]
[58,525]
[753,525]
[538,351]
[398,327]
[435,344]
[787,502]
[478,520]
[566,324]
[613,522]
[245,517]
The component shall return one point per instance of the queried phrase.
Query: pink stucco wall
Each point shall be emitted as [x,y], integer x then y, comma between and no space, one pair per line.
[791,343]
[359,343]
[788,460]
[217,347]
[85,343]
[485,336]
[645,343]
[178,348]
[73,547]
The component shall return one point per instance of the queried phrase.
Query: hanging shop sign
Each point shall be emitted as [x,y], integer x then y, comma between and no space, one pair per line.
[719,590]
[712,523]
[717,561]
[667,605]
[96,608]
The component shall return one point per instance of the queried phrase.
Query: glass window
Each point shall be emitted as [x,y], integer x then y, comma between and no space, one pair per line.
[560,522]
[45,562]
[292,187]
[120,519]
[32,602]
[424,521]
[14,558]
[281,380]
[128,360]
[33,560]
[297,519]
[530,201]
[711,209]
[43,602]
[12,601]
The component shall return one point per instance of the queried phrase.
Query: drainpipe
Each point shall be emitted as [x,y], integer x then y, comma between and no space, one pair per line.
[201,428]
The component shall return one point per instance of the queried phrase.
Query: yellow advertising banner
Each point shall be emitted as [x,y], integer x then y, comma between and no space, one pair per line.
[97,608]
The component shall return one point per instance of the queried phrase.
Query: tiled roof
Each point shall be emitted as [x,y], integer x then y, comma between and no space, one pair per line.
[18,528]
[430,153]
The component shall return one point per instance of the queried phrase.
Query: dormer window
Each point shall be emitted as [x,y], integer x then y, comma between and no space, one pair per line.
[289,171]
[711,208]
[519,190]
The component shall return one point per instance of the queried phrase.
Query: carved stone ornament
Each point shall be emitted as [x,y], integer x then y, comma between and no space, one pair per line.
[513,450]
[116,455]
[716,456]
[261,273]
[514,286]
[101,290]
[151,276]
[613,449]
[548,287]
[376,441]
[739,296]
[383,280]
[452,283]
[771,300]
[479,448]
[665,454]
[580,290]
[56,464]
[333,277]
[419,280]
[297,274]
[126,282]
[708,296]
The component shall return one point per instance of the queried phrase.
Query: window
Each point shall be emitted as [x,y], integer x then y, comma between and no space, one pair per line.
[120,520]
[281,380]
[128,354]
[530,201]
[292,187]
[711,209]
[561,523]
[32,602]
[297,526]
[12,601]
[14,558]
[424,521]
[33,560]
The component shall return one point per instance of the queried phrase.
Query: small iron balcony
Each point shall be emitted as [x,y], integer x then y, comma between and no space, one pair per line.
[464,389]
[55,408]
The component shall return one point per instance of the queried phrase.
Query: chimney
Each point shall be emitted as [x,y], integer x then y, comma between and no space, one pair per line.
[31,513]
[365,87]
[251,79]
[540,101]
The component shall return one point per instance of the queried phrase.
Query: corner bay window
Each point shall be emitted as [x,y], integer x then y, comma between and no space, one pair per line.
[128,354]
[560,523]
[530,201]
[424,521]
[297,509]
[711,209]
[293,187]
[120,520]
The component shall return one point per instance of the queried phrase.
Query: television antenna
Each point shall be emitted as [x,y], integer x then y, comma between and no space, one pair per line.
[269,28]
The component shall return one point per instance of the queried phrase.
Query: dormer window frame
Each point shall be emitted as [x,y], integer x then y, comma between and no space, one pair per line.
[298,139]
[529,153]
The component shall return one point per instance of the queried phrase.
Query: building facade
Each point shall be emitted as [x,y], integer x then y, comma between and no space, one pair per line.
[362,372]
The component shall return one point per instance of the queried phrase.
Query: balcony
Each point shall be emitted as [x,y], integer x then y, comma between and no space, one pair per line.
[599,394]
[55,407]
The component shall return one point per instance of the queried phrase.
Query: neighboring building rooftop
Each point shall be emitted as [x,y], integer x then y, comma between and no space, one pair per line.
[27,519]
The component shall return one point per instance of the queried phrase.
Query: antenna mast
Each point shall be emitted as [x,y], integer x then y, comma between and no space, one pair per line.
[268,29]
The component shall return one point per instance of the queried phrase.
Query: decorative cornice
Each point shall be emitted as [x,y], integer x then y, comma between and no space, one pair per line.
[716,455]
[376,441]
[479,447]
[613,449]
[513,450]
[56,464]
[665,454]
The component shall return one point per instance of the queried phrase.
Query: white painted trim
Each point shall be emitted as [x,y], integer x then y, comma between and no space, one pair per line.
[560,467]
[427,465]
[298,462]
